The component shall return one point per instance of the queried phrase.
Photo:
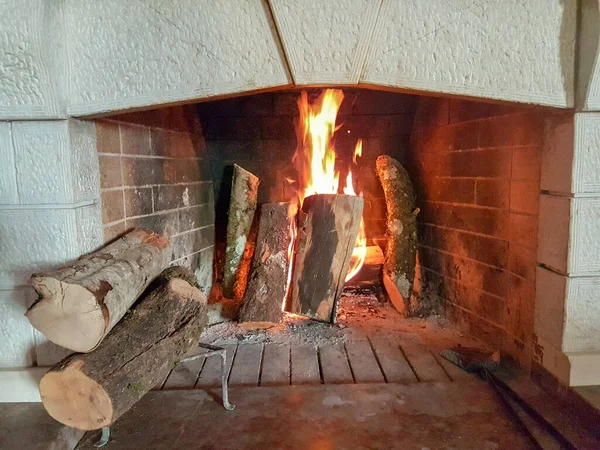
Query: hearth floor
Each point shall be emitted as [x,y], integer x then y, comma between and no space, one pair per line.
[371,343]
[460,415]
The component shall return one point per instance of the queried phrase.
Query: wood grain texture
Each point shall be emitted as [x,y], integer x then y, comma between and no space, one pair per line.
[238,250]
[305,365]
[401,234]
[267,285]
[80,302]
[422,361]
[392,361]
[363,362]
[334,364]
[92,390]
[327,228]
[275,365]
[246,365]
[210,376]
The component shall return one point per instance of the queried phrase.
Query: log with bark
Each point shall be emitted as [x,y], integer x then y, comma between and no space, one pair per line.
[80,302]
[328,225]
[238,251]
[90,391]
[401,231]
[267,286]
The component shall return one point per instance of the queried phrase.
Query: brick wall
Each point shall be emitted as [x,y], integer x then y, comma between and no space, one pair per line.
[154,174]
[257,132]
[476,170]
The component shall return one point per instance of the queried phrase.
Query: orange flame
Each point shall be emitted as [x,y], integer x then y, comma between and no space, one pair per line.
[315,163]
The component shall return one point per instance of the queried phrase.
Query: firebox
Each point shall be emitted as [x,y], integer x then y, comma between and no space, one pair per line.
[475,174]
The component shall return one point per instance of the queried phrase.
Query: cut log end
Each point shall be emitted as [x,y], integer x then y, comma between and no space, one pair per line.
[70,316]
[83,394]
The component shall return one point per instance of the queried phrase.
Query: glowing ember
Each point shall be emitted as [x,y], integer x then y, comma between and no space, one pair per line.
[315,164]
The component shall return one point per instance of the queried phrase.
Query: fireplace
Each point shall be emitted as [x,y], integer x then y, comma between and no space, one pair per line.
[106,127]
[475,168]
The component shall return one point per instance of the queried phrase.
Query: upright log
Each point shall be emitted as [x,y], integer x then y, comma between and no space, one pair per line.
[328,225]
[80,302]
[401,230]
[267,285]
[238,254]
[90,391]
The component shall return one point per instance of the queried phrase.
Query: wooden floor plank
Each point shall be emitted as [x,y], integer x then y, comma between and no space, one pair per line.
[276,365]
[246,365]
[334,364]
[185,374]
[305,365]
[210,376]
[453,371]
[392,361]
[422,361]
[363,363]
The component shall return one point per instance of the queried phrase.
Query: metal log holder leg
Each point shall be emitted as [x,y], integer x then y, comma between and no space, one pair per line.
[210,351]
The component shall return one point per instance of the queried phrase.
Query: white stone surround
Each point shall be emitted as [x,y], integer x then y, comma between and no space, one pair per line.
[567,317]
[83,57]
[70,58]
[49,214]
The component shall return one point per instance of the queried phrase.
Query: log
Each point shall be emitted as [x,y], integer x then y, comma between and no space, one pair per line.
[267,286]
[90,391]
[401,233]
[328,225]
[238,250]
[371,272]
[80,302]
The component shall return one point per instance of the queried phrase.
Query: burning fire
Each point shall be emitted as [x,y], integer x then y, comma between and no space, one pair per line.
[315,164]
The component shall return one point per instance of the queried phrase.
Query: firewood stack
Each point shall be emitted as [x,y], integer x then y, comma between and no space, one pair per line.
[85,306]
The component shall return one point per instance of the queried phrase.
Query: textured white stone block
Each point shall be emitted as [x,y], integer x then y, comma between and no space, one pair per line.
[588,68]
[569,234]
[85,172]
[550,299]
[142,53]
[557,154]
[8,174]
[571,157]
[21,385]
[491,49]
[31,54]
[33,240]
[567,311]
[326,42]
[42,162]
[553,231]
[56,162]
[17,344]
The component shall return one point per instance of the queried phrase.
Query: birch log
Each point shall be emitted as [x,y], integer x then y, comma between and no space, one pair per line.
[401,231]
[267,286]
[238,254]
[328,225]
[91,391]
[80,302]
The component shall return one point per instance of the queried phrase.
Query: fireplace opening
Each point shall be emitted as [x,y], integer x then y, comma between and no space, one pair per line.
[473,168]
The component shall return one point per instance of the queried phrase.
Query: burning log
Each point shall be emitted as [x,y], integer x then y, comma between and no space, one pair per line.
[401,251]
[371,271]
[90,391]
[267,286]
[80,302]
[238,252]
[328,225]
